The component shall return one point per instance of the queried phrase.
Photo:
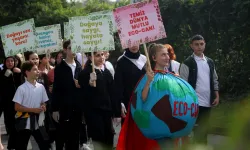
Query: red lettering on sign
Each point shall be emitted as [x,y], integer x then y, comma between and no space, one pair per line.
[181,103]
[182,109]
[185,108]
[175,107]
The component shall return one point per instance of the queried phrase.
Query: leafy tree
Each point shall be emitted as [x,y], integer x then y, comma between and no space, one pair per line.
[224,24]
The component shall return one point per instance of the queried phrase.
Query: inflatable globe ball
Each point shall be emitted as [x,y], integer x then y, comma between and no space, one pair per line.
[170,110]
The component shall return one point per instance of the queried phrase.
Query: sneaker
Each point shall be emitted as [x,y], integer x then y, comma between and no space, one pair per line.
[85,147]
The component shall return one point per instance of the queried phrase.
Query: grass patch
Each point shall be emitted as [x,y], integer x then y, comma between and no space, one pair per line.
[222,116]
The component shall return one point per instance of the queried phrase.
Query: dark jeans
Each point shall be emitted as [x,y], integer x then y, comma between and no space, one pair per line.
[68,133]
[201,130]
[23,137]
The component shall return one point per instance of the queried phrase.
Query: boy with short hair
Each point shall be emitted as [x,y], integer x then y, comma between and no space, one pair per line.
[30,100]
[67,101]
[200,73]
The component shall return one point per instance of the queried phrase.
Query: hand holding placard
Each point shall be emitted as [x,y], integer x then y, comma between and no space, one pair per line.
[93,74]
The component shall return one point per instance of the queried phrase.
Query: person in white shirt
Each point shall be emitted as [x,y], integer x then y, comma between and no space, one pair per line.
[81,58]
[30,100]
[173,65]
[108,64]
[200,73]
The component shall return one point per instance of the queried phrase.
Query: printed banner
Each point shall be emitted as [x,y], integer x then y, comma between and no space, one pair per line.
[107,12]
[18,37]
[139,23]
[66,31]
[91,33]
[49,39]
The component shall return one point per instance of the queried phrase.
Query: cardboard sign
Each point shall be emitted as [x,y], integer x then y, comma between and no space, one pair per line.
[49,39]
[66,31]
[18,37]
[107,12]
[139,23]
[91,33]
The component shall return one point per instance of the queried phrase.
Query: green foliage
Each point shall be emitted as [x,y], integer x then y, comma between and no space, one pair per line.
[225,25]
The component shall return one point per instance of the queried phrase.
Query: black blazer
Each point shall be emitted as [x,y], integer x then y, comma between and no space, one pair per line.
[100,97]
[65,96]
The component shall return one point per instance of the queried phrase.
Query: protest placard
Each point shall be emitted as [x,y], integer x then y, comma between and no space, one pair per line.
[49,39]
[139,23]
[107,12]
[91,33]
[18,37]
[66,31]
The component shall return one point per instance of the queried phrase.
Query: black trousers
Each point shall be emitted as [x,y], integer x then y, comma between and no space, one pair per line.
[68,133]
[9,121]
[100,128]
[24,136]
[83,134]
[202,128]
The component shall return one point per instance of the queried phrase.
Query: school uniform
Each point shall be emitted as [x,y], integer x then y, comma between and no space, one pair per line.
[100,105]
[66,99]
[129,69]
[8,87]
[200,73]
[30,96]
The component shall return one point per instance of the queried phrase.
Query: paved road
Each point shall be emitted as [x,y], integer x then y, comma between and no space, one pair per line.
[213,140]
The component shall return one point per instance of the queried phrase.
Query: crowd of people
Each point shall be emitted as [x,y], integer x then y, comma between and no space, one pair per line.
[64,106]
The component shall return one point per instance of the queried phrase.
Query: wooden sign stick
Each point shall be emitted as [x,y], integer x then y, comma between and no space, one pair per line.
[93,67]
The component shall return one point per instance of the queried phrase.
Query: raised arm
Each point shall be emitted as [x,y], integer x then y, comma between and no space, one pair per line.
[150,76]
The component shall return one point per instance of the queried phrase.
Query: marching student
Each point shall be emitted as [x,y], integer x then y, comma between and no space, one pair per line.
[199,71]
[66,101]
[42,78]
[10,79]
[18,61]
[59,58]
[131,138]
[100,105]
[30,100]
[129,69]
[44,65]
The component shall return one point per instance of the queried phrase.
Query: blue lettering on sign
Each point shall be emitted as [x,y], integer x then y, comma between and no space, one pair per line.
[45,39]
